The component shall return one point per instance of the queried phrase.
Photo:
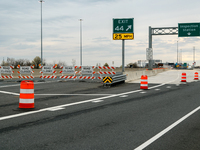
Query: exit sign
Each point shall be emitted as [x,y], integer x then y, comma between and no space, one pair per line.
[124,25]
[188,29]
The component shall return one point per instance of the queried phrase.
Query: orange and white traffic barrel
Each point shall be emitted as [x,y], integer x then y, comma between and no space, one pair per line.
[144,82]
[26,97]
[183,78]
[196,76]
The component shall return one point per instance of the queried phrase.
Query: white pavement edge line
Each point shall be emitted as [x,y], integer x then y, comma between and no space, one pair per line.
[65,105]
[9,93]
[144,145]
[76,94]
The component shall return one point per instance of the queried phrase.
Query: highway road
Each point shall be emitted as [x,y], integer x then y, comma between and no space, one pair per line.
[72,115]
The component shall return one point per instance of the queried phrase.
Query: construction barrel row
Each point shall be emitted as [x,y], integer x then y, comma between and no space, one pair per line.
[144,79]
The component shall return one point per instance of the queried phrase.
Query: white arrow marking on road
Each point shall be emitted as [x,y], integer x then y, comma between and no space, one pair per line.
[129,27]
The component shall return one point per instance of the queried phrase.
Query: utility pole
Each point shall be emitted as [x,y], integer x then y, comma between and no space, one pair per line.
[193,56]
[81,42]
[41,1]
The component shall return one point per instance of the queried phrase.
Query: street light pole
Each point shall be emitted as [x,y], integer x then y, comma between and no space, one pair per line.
[41,1]
[81,42]
[177,52]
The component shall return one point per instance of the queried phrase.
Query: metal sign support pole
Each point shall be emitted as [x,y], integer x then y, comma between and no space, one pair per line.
[150,66]
[123,43]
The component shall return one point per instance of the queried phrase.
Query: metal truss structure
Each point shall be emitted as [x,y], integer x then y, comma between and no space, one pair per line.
[164,31]
[158,31]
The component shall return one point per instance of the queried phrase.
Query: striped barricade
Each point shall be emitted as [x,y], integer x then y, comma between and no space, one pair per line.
[6,77]
[106,72]
[48,77]
[6,70]
[48,70]
[25,70]
[68,77]
[86,77]
[25,77]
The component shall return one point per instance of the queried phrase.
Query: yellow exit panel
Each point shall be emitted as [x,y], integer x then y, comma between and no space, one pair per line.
[123,36]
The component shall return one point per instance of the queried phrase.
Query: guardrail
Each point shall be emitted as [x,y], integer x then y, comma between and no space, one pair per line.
[113,79]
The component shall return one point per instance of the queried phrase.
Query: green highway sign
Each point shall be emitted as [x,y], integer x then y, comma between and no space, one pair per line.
[124,25]
[188,29]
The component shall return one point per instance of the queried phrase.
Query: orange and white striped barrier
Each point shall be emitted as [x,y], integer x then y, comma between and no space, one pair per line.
[48,77]
[86,77]
[111,67]
[68,77]
[6,77]
[144,82]
[107,72]
[183,78]
[6,70]
[25,77]
[196,76]
[26,97]
[99,78]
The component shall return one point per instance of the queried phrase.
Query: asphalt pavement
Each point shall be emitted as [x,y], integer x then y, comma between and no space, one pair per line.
[87,116]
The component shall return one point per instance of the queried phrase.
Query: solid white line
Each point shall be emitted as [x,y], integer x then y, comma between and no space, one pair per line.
[9,93]
[76,103]
[144,145]
[76,94]
[9,85]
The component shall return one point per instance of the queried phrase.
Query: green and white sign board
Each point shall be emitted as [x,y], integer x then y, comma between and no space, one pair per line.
[188,29]
[123,29]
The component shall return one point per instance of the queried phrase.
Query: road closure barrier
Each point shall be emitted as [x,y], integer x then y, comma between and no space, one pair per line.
[48,70]
[183,77]
[26,97]
[144,82]
[6,70]
[25,70]
[196,76]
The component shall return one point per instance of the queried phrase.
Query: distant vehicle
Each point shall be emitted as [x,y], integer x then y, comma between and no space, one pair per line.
[189,67]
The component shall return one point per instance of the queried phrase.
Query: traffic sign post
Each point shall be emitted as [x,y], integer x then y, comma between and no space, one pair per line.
[123,29]
[188,29]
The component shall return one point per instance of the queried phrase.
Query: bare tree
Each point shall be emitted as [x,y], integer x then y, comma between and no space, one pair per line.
[73,62]
[36,61]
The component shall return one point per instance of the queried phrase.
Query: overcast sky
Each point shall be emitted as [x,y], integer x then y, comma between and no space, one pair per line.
[20,30]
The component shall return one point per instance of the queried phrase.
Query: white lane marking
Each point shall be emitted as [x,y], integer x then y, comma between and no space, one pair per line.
[157,89]
[142,92]
[5,92]
[76,94]
[168,87]
[65,105]
[97,101]
[9,85]
[76,103]
[55,109]
[124,96]
[144,145]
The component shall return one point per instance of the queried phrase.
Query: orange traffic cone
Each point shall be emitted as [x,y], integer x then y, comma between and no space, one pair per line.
[144,82]
[196,76]
[26,97]
[183,78]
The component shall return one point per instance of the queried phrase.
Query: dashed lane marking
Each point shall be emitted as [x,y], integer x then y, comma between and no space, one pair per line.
[157,89]
[142,92]
[5,92]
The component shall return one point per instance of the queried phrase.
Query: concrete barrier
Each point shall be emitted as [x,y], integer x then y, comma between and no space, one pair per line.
[135,75]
